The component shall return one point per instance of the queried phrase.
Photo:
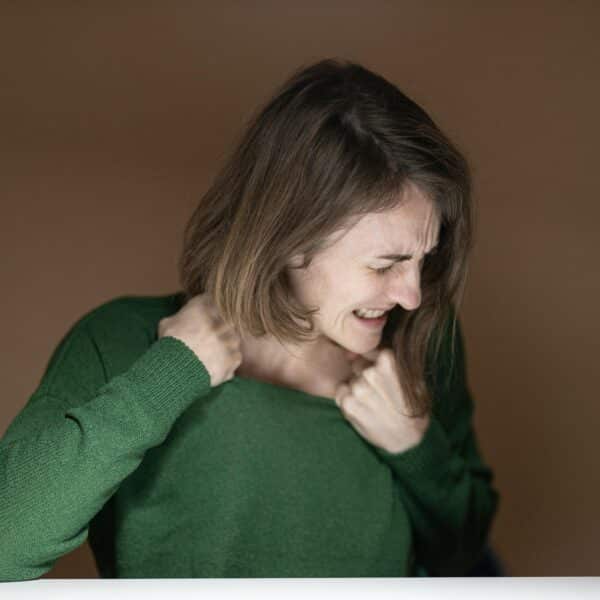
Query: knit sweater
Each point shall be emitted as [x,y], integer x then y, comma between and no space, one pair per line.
[125,443]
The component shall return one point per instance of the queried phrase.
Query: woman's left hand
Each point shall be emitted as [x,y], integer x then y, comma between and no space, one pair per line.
[374,404]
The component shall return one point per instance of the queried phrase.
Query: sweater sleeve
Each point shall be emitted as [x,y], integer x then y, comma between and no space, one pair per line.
[443,481]
[66,453]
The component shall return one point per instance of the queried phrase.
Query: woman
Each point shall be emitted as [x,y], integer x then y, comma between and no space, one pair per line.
[300,408]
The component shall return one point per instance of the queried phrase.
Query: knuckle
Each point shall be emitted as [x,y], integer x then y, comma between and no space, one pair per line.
[387,357]
[357,385]
[349,409]
[369,372]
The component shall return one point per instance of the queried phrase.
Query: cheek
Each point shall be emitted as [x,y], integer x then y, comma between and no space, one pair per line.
[343,290]
[359,292]
[370,284]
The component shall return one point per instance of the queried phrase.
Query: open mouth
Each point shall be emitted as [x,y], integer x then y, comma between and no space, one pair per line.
[372,322]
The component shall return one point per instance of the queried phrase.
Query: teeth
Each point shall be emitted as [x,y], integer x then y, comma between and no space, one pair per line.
[369,314]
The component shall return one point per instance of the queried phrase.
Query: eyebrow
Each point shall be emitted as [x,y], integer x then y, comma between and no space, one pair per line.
[397,257]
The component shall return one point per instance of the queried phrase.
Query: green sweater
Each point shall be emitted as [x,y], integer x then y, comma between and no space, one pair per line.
[125,441]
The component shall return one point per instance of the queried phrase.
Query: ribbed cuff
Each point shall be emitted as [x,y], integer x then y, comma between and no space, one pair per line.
[169,377]
[428,458]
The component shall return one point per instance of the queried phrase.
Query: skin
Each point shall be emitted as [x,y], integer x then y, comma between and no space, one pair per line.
[341,279]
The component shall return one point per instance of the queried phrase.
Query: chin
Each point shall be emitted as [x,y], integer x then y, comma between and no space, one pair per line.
[363,345]
[357,344]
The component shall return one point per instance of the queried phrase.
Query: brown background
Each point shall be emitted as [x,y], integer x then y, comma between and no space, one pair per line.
[115,116]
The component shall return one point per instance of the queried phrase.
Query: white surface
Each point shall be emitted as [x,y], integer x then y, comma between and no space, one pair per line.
[422,588]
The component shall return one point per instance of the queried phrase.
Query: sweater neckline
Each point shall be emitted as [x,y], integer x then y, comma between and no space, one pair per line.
[178,299]
[258,383]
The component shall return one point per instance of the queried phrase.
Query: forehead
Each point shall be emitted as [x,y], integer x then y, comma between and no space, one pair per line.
[413,225]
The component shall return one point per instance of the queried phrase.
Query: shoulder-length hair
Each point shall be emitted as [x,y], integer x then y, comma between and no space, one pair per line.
[335,142]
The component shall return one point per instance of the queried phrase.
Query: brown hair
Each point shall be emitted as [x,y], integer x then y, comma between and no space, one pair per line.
[335,142]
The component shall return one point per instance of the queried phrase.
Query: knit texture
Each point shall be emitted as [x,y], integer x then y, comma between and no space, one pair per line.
[125,442]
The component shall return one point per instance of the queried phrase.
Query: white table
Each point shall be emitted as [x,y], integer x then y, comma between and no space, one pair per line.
[425,588]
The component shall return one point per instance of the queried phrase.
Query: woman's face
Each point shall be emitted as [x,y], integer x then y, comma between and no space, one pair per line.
[343,277]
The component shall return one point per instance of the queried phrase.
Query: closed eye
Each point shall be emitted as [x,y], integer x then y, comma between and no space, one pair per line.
[383,270]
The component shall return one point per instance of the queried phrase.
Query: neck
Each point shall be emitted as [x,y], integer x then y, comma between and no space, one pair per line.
[266,355]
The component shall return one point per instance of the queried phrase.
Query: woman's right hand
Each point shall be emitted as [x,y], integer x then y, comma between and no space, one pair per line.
[199,326]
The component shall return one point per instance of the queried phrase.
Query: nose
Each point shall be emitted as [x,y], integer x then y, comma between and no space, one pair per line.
[405,289]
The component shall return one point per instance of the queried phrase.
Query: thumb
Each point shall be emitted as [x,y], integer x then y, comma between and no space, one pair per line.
[372,355]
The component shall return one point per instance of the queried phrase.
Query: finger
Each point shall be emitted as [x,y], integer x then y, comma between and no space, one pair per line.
[362,388]
[340,392]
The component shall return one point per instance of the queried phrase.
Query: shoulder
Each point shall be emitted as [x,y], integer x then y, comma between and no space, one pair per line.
[145,310]
[126,316]
[104,342]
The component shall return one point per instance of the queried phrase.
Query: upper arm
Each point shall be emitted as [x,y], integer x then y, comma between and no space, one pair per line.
[79,366]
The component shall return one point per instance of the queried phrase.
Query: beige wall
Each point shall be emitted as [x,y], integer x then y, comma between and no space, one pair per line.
[114,117]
